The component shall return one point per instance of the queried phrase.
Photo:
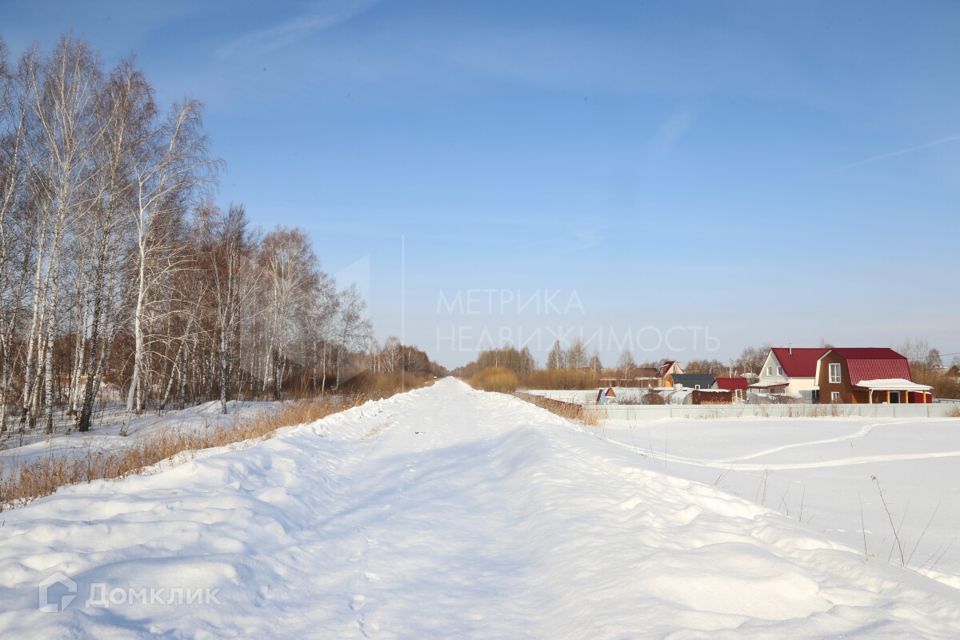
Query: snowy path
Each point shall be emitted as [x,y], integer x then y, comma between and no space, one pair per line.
[443,513]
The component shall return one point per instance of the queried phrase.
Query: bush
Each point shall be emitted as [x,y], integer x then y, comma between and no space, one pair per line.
[652,397]
[567,410]
[495,379]
[374,386]
[943,386]
[562,379]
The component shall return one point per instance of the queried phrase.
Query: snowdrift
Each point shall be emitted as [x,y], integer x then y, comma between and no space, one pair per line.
[440,513]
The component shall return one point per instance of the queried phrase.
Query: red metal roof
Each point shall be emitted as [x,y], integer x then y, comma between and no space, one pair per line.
[874,364]
[867,353]
[799,363]
[732,383]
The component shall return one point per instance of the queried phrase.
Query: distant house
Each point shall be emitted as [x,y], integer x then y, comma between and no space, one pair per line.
[736,385]
[791,372]
[866,376]
[641,378]
[668,368]
[646,377]
[694,380]
[953,372]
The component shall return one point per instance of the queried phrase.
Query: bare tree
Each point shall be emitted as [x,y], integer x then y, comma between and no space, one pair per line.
[626,365]
[166,169]
[353,330]
[116,276]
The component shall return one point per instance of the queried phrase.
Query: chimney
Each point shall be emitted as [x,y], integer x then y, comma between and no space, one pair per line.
[790,350]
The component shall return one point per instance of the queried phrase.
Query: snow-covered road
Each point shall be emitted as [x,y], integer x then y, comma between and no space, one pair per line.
[441,513]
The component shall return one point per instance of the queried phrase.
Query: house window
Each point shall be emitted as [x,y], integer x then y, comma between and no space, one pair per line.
[779,371]
[834,373]
[834,396]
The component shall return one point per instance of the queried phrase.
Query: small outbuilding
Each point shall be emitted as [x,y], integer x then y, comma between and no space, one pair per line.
[736,385]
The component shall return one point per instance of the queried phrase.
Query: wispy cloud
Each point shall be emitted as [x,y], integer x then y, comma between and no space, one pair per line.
[671,131]
[902,152]
[325,14]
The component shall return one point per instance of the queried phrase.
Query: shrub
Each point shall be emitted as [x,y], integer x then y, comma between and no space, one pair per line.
[943,386]
[567,410]
[652,397]
[495,379]
[374,386]
[562,379]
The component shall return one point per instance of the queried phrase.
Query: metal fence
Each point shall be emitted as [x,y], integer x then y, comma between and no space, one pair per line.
[656,412]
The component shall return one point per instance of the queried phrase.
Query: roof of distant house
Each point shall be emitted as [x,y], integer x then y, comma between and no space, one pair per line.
[705,380]
[732,383]
[874,364]
[665,366]
[799,362]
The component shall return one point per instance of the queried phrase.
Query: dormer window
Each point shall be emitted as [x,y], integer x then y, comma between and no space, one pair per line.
[834,373]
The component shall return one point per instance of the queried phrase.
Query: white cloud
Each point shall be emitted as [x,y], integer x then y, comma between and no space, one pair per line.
[325,15]
[901,152]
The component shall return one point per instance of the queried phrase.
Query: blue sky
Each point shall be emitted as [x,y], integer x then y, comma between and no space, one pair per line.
[762,171]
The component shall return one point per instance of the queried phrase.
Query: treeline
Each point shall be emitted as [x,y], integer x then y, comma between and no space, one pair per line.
[391,368]
[929,367]
[508,368]
[120,280]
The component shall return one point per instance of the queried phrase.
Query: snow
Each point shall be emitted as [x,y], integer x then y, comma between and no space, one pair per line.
[893,384]
[105,435]
[445,512]
[827,466]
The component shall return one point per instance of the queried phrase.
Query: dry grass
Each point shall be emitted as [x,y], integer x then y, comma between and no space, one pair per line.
[562,379]
[374,386]
[943,386]
[494,379]
[34,480]
[568,410]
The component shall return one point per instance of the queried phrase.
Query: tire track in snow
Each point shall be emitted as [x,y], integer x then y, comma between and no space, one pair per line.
[733,465]
[856,435]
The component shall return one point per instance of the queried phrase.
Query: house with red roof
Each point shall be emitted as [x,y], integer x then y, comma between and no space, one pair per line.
[736,385]
[790,371]
[867,376]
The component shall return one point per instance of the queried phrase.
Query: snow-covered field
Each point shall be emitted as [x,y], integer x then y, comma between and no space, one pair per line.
[444,513]
[115,429]
[822,471]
